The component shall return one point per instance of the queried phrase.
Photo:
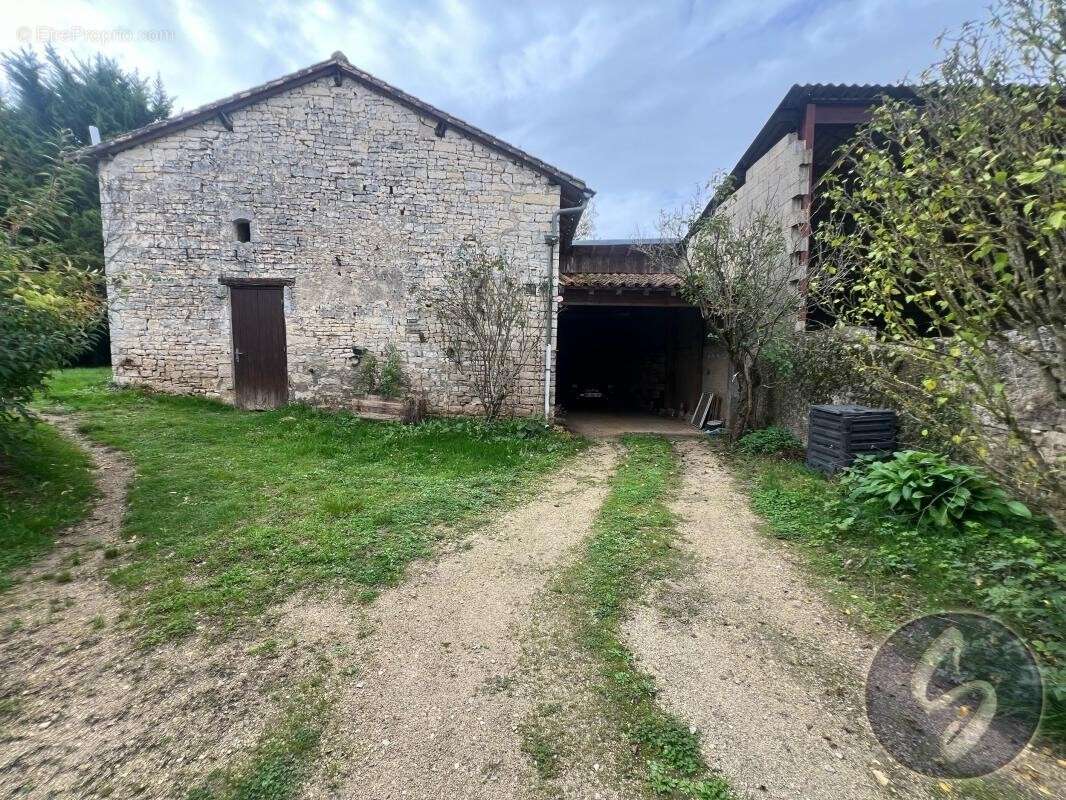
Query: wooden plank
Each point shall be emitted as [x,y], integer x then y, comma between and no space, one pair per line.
[702,407]
[260,364]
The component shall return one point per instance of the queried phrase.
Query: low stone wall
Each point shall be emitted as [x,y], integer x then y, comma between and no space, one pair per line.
[1026,390]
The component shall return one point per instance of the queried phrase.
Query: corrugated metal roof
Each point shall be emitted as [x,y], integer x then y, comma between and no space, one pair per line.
[337,64]
[788,116]
[621,280]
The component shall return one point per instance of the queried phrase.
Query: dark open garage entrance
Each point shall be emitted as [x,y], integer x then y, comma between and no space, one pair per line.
[629,359]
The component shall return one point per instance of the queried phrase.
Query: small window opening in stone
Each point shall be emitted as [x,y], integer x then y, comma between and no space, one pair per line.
[242,229]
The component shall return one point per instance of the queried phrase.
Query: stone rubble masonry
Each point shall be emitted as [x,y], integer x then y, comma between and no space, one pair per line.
[1030,398]
[350,195]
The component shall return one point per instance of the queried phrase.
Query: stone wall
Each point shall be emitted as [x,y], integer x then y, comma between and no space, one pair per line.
[1031,399]
[349,194]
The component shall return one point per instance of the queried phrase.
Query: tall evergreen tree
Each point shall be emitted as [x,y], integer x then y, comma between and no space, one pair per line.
[50,105]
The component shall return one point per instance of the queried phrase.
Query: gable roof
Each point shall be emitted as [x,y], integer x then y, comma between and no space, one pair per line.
[788,116]
[336,66]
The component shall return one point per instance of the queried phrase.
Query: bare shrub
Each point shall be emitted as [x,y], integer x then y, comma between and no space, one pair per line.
[486,324]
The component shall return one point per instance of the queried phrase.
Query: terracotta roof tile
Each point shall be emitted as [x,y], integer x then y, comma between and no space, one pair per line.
[621,280]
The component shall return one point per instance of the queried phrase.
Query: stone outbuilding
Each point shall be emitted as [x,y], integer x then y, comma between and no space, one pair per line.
[258,247]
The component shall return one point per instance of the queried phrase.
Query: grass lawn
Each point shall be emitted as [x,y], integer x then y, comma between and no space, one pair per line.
[232,511]
[281,761]
[889,572]
[46,484]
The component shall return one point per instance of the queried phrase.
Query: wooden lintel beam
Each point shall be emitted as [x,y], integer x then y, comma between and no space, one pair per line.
[240,280]
[588,297]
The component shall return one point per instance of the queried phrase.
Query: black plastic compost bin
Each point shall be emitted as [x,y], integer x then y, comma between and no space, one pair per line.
[837,434]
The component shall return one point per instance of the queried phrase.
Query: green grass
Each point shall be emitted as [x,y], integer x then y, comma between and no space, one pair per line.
[232,511]
[46,484]
[280,763]
[539,745]
[632,547]
[888,571]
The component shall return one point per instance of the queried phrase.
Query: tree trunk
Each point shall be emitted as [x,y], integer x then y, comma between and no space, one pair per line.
[747,393]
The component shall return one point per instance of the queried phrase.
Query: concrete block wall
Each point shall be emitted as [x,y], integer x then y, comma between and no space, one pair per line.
[353,197]
[779,181]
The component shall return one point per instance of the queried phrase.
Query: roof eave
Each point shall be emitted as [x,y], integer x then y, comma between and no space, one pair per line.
[788,116]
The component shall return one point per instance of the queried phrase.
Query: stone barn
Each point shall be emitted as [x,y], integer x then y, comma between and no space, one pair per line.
[258,246]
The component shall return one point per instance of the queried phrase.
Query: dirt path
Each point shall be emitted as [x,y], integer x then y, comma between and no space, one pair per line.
[747,652]
[423,679]
[87,712]
[434,712]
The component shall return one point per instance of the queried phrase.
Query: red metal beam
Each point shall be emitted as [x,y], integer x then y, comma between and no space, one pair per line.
[806,131]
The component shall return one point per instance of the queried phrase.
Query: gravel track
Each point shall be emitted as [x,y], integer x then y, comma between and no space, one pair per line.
[435,710]
[747,652]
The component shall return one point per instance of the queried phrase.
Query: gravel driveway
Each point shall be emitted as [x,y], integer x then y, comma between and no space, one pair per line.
[435,712]
[747,652]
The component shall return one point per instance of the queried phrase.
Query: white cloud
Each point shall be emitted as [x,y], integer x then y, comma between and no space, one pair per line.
[197,30]
[635,97]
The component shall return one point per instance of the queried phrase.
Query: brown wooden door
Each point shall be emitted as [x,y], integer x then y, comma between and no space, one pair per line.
[260,367]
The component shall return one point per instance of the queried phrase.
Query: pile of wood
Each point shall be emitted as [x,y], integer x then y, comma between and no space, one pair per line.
[708,413]
[407,409]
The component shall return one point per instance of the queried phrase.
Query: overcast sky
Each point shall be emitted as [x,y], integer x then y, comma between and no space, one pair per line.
[642,100]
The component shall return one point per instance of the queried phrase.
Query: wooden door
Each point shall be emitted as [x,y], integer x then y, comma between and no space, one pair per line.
[260,366]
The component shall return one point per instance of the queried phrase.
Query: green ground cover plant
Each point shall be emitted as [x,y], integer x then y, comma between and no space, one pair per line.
[891,567]
[281,762]
[232,511]
[768,441]
[631,547]
[928,489]
[46,484]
